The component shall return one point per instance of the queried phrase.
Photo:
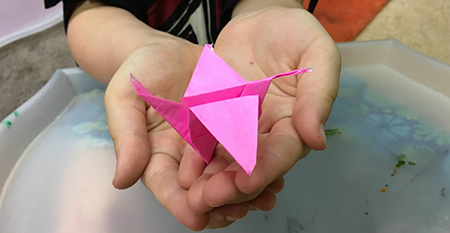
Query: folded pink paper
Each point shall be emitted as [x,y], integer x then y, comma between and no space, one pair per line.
[218,106]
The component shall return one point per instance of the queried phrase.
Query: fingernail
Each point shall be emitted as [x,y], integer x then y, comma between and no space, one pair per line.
[230,219]
[322,135]
[253,208]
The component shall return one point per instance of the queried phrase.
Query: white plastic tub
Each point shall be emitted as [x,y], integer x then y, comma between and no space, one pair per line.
[57,160]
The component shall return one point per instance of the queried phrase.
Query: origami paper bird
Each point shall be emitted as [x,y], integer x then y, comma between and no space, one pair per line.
[218,106]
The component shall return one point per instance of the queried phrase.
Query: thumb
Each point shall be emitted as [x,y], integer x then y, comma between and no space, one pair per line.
[126,114]
[316,91]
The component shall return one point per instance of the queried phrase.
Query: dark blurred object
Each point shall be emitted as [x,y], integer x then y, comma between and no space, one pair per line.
[312,6]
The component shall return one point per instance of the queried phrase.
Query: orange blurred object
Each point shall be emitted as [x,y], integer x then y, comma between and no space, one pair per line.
[345,19]
[383,189]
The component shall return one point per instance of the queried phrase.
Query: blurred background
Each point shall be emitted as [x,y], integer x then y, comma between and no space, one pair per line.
[33,42]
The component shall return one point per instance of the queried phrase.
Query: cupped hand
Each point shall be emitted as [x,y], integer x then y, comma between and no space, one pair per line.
[294,112]
[146,145]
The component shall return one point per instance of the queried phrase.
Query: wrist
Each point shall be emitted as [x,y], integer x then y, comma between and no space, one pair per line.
[101,38]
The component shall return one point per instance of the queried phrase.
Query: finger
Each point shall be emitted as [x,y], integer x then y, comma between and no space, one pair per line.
[265,201]
[277,154]
[191,167]
[195,194]
[161,178]
[221,189]
[277,185]
[226,215]
[316,91]
[127,125]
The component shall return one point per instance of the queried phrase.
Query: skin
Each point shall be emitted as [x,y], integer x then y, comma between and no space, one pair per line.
[264,38]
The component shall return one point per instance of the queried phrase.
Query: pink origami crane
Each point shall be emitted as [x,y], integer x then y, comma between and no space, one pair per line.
[218,106]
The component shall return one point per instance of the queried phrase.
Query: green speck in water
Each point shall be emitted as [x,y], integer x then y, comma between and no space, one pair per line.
[330,132]
[16,113]
[400,163]
[366,213]
[392,174]
[401,157]
[7,123]
[411,163]
[386,185]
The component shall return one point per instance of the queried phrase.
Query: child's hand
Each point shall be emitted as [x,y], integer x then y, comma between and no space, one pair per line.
[295,109]
[165,69]
[146,145]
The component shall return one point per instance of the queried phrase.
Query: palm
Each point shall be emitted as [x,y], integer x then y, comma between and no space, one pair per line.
[165,72]
[271,42]
[257,60]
